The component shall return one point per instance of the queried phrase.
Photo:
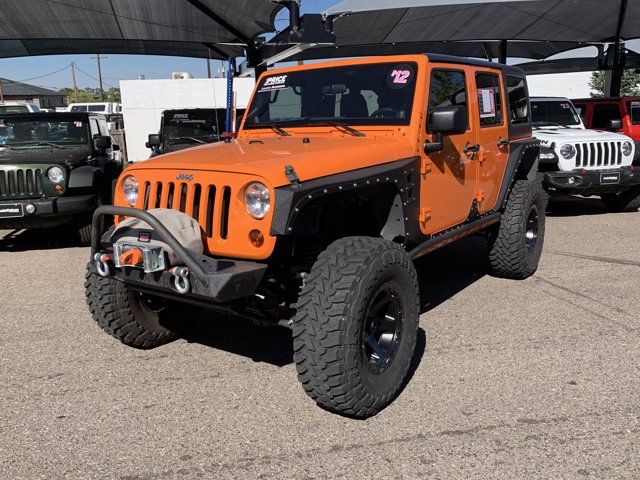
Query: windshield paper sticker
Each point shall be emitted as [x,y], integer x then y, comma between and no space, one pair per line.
[274,83]
[487,102]
[566,106]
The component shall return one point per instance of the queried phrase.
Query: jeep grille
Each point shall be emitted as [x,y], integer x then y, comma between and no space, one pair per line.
[208,204]
[16,183]
[598,154]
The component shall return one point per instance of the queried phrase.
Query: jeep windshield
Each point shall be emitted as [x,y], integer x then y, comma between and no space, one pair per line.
[374,94]
[27,132]
[554,114]
[192,126]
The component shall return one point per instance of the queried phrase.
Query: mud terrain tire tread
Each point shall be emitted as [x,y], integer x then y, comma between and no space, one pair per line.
[325,337]
[118,312]
[508,255]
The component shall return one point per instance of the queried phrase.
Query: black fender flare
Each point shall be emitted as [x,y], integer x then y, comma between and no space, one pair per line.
[84,177]
[291,200]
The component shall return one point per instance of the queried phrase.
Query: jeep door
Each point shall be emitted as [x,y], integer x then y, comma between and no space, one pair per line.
[448,177]
[492,136]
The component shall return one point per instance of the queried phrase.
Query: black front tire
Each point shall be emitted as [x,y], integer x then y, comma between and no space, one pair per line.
[128,316]
[350,357]
[626,201]
[515,245]
[84,228]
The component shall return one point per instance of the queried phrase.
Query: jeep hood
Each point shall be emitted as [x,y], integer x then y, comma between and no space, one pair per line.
[571,135]
[268,157]
[69,156]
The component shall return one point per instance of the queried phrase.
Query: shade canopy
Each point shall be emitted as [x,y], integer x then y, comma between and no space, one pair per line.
[534,29]
[191,28]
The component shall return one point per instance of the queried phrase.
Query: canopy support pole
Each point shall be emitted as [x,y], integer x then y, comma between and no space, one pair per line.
[231,71]
[613,77]
[503,52]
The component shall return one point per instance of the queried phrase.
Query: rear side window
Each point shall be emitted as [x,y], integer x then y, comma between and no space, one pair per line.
[603,113]
[518,100]
[489,99]
[448,87]
[634,112]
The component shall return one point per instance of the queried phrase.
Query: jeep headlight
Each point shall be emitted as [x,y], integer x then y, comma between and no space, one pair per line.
[55,174]
[130,189]
[257,200]
[567,151]
[627,148]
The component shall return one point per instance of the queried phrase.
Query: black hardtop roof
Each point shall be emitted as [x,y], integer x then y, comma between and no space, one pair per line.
[509,69]
[605,99]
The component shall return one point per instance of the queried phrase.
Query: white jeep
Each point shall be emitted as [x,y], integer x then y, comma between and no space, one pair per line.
[574,160]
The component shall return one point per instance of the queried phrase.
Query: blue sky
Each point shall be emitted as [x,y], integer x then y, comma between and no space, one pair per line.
[119,67]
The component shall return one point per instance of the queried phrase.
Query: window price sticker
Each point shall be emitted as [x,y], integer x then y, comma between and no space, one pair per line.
[487,101]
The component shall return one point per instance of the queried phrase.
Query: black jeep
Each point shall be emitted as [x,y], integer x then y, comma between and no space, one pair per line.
[189,127]
[55,168]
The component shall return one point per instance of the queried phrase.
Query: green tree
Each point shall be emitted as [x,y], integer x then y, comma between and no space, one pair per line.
[86,95]
[630,81]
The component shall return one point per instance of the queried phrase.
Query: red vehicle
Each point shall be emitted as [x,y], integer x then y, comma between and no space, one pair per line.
[619,114]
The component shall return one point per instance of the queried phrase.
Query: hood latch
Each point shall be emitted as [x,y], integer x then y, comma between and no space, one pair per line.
[292,176]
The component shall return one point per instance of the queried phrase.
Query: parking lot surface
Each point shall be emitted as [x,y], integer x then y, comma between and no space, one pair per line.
[531,379]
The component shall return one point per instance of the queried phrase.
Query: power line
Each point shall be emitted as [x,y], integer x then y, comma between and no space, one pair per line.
[91,76]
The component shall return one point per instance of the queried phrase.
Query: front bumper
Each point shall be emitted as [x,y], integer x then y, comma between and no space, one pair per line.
[211,280]
[586,180]
[47,207]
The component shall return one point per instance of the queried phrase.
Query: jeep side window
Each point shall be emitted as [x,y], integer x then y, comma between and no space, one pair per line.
[448,87]
[489,99]
[634,112]
[603,113]
[95,130]
[518,100]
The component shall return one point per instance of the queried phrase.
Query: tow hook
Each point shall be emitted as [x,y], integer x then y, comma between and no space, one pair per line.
[181,279]
[102,264]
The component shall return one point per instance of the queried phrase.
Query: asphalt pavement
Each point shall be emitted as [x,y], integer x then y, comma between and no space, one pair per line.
[532,379]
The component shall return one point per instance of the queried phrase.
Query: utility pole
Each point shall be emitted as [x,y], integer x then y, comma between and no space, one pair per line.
[1,92]
[99,59]
[208,68]
[73,77]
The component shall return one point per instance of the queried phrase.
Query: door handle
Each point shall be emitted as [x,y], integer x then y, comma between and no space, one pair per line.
[503,143]
[471,149]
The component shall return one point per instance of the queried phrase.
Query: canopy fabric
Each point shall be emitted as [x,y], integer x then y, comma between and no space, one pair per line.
[534,28]
[193,28]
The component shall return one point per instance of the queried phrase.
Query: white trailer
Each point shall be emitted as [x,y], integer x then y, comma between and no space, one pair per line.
[143,101]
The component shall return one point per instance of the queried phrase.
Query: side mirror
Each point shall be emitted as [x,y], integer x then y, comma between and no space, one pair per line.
[154,141]
[615,124]
[102,142]
[449,120]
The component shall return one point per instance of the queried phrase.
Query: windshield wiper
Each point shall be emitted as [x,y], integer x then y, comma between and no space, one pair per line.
[8,146]
[335,123]
[50,144]
[193,139]
[276,128]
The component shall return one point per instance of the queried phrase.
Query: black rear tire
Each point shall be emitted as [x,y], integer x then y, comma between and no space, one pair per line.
[355,328]
[135,320]
[626,201]
[515,245]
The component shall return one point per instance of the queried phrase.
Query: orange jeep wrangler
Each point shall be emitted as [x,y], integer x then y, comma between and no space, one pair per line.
[341,175]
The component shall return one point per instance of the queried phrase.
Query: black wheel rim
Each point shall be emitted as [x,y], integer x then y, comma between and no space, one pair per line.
[533,224]
[382,330]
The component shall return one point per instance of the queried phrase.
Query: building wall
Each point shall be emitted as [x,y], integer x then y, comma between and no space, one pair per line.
[143,102]
[571,85]
[49,101]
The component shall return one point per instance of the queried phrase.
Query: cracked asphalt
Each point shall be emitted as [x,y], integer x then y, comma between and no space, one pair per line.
[532,379]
